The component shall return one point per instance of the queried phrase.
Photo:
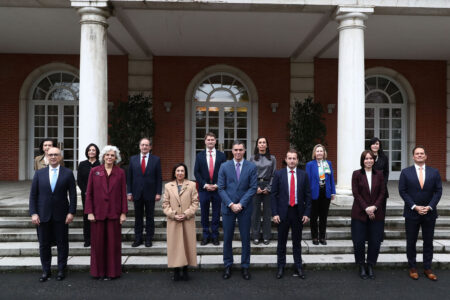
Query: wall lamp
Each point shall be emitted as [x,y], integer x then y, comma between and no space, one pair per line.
[167,105]
[274,106]
[330,108]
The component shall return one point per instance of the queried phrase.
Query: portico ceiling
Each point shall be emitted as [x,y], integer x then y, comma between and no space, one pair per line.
[52,27]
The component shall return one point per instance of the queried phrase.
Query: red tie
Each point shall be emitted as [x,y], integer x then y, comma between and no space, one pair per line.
[292,190]
[211,166]
[143,164]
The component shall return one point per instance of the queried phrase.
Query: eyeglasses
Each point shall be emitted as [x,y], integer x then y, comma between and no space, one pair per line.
[53,155]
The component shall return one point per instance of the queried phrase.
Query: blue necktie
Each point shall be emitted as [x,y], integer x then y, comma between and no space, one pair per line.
[238,171]
[54,179]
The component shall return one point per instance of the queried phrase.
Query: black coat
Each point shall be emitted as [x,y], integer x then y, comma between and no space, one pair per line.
[83,174]
[382,164]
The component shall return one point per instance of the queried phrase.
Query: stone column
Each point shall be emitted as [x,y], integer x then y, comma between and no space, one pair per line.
[351,93]
[93,115]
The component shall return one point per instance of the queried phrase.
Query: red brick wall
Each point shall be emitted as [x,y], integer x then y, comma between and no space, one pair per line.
[14,70]
[172,76]
[428,80]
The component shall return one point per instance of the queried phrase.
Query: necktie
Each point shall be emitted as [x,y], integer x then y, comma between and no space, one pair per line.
[292,190]
[54,179]
[421,177]
[211,166]
[143,164]
[238,171]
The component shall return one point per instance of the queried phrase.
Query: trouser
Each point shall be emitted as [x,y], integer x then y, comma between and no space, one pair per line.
[47,232]
[370,231]
[139,206]
[207,199]
[293,221]
[256,217]
[229,222]
[412,227]
[319,210]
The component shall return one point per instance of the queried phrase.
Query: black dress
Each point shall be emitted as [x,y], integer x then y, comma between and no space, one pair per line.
[82,180]
[382,164]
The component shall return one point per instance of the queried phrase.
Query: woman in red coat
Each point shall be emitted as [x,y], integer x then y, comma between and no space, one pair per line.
[106,207]
[367,214]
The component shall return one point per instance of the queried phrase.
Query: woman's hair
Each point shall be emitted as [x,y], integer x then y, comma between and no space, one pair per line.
[97,151]
[363,157]
[41,145]
[108,148]
[324,151]
[373,141]
[176,167]
[256,150]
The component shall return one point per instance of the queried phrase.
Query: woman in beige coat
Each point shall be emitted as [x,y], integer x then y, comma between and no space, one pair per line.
[180,203]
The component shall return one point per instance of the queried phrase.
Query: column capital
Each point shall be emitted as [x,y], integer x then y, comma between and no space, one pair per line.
[89,3]
[352,16]
[94,15]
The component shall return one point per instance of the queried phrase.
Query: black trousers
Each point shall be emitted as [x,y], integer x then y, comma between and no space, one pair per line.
[139,206]
[319,210]
[47,231]
[370,231]
[86,222]
[412,227]
[293,221]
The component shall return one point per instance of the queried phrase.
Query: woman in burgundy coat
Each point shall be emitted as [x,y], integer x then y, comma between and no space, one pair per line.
[106,207]
[367,214]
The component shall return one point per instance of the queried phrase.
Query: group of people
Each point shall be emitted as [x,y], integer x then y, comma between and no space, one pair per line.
[234,189]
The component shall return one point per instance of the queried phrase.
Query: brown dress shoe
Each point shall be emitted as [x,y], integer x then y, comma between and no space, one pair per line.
[429,274]
[413,274]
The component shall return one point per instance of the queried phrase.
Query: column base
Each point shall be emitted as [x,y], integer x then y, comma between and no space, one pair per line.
[344,197]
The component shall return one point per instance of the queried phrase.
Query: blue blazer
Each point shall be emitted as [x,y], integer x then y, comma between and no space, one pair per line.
[201,171]
[412,194]
[56,204]
[280,194]
[144,186]
[233,191]
[313,176]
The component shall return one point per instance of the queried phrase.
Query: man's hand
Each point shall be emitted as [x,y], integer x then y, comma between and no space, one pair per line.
[35,219]
[276,219]
[69,218]
[305,219]
[266,191]
[157,197]
[421,210]
[211,187]
[236,208]
[123,218]
[130,198]
[259,190]
[91,217]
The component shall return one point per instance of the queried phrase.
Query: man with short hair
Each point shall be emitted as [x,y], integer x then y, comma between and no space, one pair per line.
[52,211]
[237,183]
[420,187]
[206,170]
[144,186]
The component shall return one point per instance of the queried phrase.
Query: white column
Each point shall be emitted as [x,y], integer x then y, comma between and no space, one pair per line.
[93,117]
[351,93]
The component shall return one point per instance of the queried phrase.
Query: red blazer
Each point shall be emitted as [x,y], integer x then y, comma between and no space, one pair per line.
[364,198]
[106,202]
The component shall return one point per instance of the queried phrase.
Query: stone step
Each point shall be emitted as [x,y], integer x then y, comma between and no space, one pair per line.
[310,262]
[333,233]
[159,248]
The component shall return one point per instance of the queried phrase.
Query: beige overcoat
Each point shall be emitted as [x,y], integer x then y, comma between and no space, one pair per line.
[181,236]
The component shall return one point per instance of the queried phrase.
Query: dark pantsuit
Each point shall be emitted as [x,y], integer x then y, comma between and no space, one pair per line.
[139,205]
[207,199]
[106,248]
[229,221]
[370,231]
[319,210]
[412,227]
[86,222]
[293,221]
[47,231]
[256,217]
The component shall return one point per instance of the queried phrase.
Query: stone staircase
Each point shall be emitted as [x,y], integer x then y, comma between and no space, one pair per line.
[19,246]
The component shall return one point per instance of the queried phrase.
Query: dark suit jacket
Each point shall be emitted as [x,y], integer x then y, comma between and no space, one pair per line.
[201,170]
[412,194]
[233,191]
[48,204]
[313,176]
[84,168]
[364,198]
[106,201]
[144,186]
[280,194]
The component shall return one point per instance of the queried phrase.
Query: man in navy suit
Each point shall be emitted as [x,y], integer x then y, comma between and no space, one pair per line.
[52,211]
[206,171]
[291,207]
[420,187]
[237,183]
[144,185]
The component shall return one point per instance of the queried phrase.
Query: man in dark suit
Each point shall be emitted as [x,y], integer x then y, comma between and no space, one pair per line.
[144,185]
[237,183]
[291,207]
[420,187]
[52,211]
[206,171]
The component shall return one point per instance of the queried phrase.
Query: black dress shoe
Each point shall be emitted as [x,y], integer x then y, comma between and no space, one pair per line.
[148,243]
[136,243]
[280,272]
[204,242]
[323,241]
[176,274]
[226,273]
[44,277]
[370,272]
[315,241]
[362,272]
[266,242]
[256,241]
[298,272]
[245,274]
[60,276]
[216,242]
